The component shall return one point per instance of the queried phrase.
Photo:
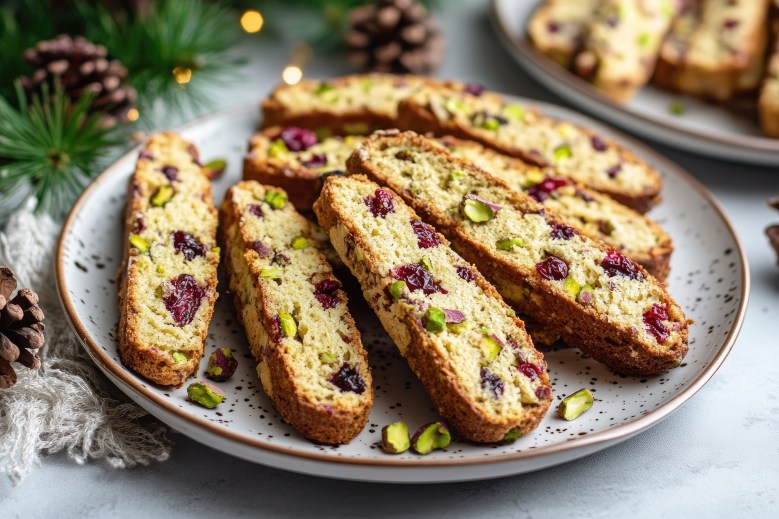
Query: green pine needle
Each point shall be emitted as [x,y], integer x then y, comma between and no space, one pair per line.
[49,146]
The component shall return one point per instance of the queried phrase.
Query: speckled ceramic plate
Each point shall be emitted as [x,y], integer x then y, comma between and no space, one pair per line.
[704,128]
[709,279]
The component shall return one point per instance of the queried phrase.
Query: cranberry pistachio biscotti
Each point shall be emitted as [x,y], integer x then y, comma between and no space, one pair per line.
[168,279]
[472,354]
[573,152]
[355,104]
[310,358]
[600,300]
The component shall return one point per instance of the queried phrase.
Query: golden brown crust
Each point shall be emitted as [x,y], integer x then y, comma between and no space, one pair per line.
[324,424]
[579,325]
[413,341]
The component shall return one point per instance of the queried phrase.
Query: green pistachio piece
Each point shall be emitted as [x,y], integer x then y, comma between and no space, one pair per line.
[205,394]
[215,168]
[477,211]
[160,269]
[397,288]
[562,152]
[430,437]
[299,242]
[162,196]
[574,405]
[585,294]
[515,112]
[216,250]
[395,438]
[276,199]
[676,363]
[455,175]
[677,108]
[452,105]
[139,243]
[644,39]
[509,244]
[512,435]
[179,357]
[490,348]
[277,149]
[322,88]
[288,325]
[533,177]
[271,272]
[572,286]
[322,133]
[368,84]
[426,264]
[436,320]
[359,255]
[327,357]
[491,124]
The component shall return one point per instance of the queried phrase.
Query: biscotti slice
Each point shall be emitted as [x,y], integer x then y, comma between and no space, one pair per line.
[296,160]
[769,95]
[715,51]
[355,104]
[515,130]
[600,300]
[558,27]
[622,43]
[168,279]
[471,353]
[310,358]
[632,233]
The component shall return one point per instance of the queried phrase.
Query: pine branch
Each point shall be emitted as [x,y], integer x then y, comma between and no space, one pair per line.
[50,146]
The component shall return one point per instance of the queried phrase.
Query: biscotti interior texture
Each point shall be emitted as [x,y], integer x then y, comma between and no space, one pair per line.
[168,283]
[769,94]
[557,28]
[600,300]
[518,131]
[311,361]
[596,214]
[355,104]
[465,344]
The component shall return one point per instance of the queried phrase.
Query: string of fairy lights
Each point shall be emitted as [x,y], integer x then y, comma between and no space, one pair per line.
[252,22]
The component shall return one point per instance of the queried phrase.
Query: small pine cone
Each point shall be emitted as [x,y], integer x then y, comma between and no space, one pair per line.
[21,329]
[394,36]
[81,67]
[772,231]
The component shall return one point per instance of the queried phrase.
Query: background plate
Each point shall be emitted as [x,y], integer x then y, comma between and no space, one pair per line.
[704,128]
[709,279]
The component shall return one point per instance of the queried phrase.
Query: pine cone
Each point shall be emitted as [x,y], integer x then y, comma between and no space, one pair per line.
[772,231]
[394,36]
[21,330]
[81,67]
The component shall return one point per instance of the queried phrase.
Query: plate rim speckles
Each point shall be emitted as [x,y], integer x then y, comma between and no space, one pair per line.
[386,468]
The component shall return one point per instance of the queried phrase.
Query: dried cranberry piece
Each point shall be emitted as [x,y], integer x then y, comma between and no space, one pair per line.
[260,248]
[492,382]
[543,392]
[188,245]
[380,204]
[256,210]
[584,196]
[553,268]
[474,89]
[546,187]
[617,264]
[297,139]
[426,235]
[280,259]
[730,23]
[182,297]
[145,154]
[560,231]
[552,26]
[171,172]
[653,322]
[465,273]
[417,278]
[347,379]
[317,160]
[598,144]
[326,292]
[530,370]
[614,170]
[139,225]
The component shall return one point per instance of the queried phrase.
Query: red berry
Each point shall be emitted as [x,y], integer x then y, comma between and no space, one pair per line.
[546,187]
[530,370]
[380,204]
[417,278]
[326,292]
[617,264]
[426,235]
[347,379]
[182,297]
[553,268]
[187,245]
[562,232]
[653,321]
[465,273]
[297,139]
[491,382]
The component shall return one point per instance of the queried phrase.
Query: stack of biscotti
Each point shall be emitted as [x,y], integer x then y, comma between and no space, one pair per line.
[558,27]
[168,278]
[467,347]
[717,50]
[600,300]
[622,42]
[769,93]
[571,151]
[310,358]
[356,104]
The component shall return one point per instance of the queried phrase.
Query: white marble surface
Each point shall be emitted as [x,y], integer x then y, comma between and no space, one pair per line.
[717,456]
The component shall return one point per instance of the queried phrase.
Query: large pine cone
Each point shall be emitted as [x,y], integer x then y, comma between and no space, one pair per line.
[394,36]
[21,329]
[81,67]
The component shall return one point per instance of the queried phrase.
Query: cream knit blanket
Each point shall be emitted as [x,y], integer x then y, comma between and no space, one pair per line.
[67,405]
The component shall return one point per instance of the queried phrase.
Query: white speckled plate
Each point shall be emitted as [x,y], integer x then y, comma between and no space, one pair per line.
[709,279]
[704,128]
